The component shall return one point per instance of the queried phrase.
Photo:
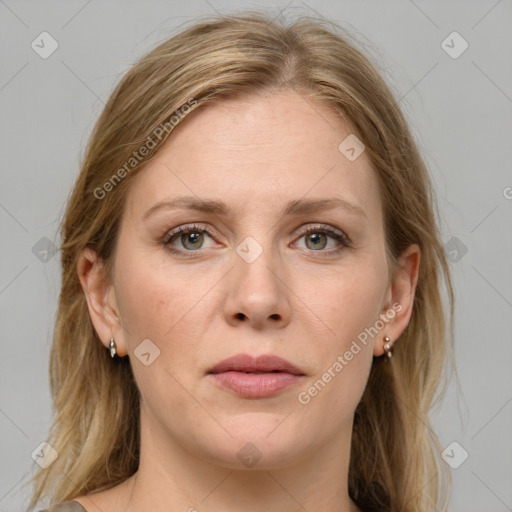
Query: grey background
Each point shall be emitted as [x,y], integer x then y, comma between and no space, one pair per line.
[459,108]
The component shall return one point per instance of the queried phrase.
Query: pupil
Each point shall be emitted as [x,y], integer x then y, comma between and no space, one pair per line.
[192,238]
[315,238]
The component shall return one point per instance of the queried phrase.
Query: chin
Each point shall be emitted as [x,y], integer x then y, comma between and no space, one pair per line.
[257,441]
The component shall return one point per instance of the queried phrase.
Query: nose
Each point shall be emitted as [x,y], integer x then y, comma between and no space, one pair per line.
[259,293]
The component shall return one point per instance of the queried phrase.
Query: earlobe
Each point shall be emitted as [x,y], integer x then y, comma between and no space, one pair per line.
[98,292]
[400,300]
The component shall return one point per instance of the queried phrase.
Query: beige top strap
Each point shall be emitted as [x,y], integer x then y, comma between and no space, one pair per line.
[65,506]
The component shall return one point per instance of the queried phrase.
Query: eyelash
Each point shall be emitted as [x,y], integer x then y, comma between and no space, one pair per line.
[339,236]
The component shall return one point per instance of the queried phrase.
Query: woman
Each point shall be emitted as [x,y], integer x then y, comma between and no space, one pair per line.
[251,311]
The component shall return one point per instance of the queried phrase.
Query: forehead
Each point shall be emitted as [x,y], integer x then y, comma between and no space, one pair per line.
[256,152]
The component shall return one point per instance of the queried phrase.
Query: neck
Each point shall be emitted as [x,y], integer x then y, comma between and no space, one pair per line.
[171,478]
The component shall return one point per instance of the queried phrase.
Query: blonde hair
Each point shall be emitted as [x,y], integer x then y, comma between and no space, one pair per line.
[395,456]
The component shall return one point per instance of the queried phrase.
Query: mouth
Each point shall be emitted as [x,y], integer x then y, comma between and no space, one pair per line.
[244,363]
[261,377]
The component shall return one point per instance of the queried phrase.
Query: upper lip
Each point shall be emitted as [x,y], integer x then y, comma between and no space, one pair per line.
[263,363]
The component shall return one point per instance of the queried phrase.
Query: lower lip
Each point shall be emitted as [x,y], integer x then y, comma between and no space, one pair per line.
[255,385]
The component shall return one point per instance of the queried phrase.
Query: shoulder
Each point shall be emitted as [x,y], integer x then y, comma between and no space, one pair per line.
[65,506]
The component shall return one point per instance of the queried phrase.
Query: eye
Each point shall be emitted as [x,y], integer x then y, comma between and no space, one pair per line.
[191,238]
[317,238]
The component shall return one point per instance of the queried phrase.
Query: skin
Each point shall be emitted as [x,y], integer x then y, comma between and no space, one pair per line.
[301,301]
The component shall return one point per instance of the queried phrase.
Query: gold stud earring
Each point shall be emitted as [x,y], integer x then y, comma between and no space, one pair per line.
[388,347]
[113,348]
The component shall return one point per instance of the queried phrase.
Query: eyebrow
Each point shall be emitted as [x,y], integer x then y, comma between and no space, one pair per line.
[294,207]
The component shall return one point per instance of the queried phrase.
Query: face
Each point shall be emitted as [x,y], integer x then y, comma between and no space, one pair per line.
[291,264]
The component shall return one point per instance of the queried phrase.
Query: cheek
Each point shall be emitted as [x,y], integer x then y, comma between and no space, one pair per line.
[167,306]
[349,301]
[156,303]
[154,298]
[345,355]
[350,306]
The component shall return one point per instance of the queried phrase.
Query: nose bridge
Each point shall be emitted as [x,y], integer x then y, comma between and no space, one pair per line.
[257,291]
[257,263]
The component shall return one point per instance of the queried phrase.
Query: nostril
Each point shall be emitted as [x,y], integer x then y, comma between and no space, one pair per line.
[240,316]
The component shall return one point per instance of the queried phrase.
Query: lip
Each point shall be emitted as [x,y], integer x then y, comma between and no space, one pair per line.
[264,364]
[255,377]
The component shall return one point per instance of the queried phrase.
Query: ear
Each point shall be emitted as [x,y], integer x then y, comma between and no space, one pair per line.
[101,301]
[399,301]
